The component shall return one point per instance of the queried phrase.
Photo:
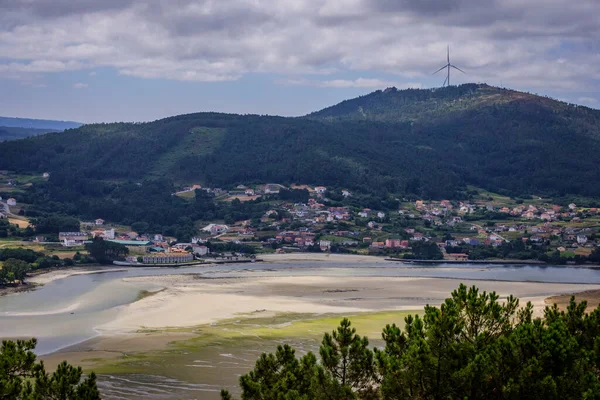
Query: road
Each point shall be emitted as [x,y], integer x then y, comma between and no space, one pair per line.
[4,209]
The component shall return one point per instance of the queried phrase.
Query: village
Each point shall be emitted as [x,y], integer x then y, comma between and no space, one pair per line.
[327,219]
[460,229]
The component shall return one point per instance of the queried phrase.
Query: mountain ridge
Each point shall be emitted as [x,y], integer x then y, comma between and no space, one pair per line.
[430,143]
[51,125]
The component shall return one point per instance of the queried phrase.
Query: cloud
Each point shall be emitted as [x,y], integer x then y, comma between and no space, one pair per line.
[80,85]
[547,44]
[587,100]
[369,83]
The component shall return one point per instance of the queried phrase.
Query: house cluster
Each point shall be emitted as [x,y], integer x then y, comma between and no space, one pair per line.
[300,239]
[156,248]
[392,243]
[315,213]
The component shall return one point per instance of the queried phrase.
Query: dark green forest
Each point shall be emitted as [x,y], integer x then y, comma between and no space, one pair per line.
[428,144]
[13,133]
[23,377]
[473,346]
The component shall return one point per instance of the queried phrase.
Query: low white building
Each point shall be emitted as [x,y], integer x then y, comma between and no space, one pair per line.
[71,239]
[11,202]
[168,258]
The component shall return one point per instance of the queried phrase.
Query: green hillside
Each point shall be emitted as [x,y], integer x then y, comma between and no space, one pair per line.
[12,133]
[429,143]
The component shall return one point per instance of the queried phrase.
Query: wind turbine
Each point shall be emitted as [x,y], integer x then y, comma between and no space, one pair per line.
[448,66]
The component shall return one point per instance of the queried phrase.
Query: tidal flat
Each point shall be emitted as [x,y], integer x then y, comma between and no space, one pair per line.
[186,333]
[197,362]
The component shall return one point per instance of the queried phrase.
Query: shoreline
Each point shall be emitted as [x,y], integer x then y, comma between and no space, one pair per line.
[186,264]
[534,263]
[50,276]
[493,262]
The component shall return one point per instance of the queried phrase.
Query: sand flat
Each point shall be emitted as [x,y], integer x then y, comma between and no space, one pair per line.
[189,301]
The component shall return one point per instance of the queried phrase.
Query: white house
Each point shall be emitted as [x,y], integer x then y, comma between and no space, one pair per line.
[380,215]
[320,189]
[11,202]
[272,188]
[582,239]
[346,193]
[325,245]
[572,206]
[99,221]
[46,175]
[215,229]
[200,250]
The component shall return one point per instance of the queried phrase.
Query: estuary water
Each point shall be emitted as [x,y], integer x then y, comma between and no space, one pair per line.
[66,311]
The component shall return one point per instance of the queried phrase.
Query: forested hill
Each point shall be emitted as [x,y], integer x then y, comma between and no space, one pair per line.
[392,105]
[12,133]
[430,143]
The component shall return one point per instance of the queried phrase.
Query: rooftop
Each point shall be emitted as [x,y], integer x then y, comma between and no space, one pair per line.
[131,242]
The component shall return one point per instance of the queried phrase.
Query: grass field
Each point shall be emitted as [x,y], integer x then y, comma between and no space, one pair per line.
[187,194]
[247,332]
[20,222]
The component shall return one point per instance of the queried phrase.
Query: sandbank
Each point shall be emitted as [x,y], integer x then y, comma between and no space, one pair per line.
[47,277]
[188,300]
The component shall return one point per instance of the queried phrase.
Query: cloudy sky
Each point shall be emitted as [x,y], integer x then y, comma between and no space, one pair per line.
[137,60]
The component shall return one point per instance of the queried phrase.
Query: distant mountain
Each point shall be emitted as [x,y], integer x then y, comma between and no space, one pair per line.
[426,143]
[11,133]
[48,125]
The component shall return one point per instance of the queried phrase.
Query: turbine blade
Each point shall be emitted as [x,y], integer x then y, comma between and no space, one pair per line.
[445,66]
[448,53]
[458,69]
[445,80]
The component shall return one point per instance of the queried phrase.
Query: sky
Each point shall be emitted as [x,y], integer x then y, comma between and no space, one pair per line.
[141,60]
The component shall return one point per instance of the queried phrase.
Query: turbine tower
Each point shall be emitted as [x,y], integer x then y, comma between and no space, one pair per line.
[448,66]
